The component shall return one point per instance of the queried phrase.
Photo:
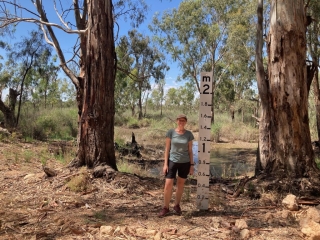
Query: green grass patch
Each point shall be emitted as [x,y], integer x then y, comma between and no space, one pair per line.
[43,124]
[27,155]
[79,183]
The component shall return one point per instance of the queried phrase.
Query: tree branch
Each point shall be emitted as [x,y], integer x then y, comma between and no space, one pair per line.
[56,45]
[59,16]
[15,5]
[8,21]
[261,77]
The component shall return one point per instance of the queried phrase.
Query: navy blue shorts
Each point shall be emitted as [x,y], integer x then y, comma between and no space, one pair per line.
[183,169]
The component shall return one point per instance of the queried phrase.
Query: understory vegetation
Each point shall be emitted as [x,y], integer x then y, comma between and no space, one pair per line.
[59,124]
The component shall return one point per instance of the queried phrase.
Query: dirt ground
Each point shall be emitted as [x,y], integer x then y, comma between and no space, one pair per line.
[75,205]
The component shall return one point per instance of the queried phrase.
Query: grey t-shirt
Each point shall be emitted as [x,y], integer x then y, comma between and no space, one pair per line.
[179,146]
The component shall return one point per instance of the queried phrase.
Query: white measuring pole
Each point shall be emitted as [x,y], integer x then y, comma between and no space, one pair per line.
[204,141]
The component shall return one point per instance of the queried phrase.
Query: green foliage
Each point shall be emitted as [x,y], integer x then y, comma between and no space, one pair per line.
[119,141]
[216,131]
[139,62]
[233,130]
[27,155]
[49,123]
[60,158]
[133,123]
[158,129]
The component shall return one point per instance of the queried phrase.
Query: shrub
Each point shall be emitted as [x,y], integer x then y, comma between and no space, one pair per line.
[50,123]
[133,123]
[79,183]
[216,131]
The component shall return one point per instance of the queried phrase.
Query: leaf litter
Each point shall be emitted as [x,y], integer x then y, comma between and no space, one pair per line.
[35,206]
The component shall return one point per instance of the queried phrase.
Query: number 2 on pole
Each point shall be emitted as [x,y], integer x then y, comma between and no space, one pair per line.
[206,88]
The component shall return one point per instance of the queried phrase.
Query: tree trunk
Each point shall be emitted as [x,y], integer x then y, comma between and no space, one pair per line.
[145,106]
[317,100]
[313,71]
[8,111]
[284,141]
[140,99]
[96,126]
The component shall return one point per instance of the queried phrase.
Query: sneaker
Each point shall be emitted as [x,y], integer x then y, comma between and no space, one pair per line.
[163,212]
[177,209]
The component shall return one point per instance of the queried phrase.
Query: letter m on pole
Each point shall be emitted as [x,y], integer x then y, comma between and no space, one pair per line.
[206,79]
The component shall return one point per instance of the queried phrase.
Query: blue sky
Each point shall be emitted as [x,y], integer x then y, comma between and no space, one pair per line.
[67,41]
[158,6]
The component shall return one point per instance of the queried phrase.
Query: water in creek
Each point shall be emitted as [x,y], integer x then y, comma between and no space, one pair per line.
[228,162]
[225,162]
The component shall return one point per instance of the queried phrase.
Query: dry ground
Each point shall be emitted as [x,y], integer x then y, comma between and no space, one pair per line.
[74,205]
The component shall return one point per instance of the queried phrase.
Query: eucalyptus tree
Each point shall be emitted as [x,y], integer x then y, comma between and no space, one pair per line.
[46,81]
[125,96]
[160,88]
[23,57]
[186,96]
[240,57]
[285,149]
[196,35]
[147,63]
[67,92]
[157,96]
[313,35]
[94,52]
[154,101]
[172,100]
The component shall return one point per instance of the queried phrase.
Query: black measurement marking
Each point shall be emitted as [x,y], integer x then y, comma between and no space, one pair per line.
[206,79]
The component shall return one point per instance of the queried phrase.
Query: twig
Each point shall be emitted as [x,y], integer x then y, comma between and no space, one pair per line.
[143,225]
[190,230]
[71,175]
[93,190]
[150,193]
[252,208]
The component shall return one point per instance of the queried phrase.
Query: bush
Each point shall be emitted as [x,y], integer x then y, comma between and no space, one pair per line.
[133,123]
[50,124]
[216,131]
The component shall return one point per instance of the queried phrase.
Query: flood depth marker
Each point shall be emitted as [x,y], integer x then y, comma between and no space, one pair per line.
[204,140]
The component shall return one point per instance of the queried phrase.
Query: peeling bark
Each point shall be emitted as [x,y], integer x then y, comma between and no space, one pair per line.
[284,141]
[96,129]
